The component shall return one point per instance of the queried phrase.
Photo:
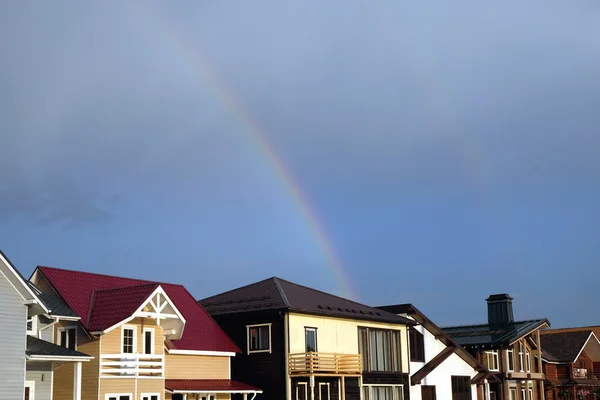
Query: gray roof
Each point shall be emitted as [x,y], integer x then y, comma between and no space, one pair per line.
[39,347]
[563,346]
[278,294]
[492,335]
[53,302]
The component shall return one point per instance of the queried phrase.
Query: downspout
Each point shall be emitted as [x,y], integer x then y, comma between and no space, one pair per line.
[286,343]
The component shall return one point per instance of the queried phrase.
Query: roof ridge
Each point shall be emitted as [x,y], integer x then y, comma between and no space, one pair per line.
[281,291]
[127,287]
[333,295]
[237,288]
[488,324]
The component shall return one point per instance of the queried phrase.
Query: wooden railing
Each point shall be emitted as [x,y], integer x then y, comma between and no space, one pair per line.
[131,365]
[325,363]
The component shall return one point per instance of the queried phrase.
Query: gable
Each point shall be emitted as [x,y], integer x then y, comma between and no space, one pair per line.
[20,285]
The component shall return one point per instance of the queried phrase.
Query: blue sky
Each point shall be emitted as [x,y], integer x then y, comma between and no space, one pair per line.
[450,151]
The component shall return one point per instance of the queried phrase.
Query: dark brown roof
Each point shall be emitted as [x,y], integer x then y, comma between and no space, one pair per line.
[492,335]
[563,346]
[278,294]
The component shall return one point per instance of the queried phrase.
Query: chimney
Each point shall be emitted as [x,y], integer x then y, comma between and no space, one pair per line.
[500,309]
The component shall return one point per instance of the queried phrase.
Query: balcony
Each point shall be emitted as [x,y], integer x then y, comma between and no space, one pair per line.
[325,364]
[131,365]
[584,373]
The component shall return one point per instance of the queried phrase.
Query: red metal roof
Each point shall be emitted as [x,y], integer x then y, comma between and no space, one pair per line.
[111,306]
[78,290]
[208,385]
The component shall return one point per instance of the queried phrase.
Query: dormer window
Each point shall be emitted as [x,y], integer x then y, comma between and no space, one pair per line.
[67,337]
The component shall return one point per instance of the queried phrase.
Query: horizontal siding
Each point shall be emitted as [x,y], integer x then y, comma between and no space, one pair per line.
[179,366]
[112,341]
[135,387]
[13,314]
[41,374]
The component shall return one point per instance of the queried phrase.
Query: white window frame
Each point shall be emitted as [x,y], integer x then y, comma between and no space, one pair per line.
[62,331]
[207,396]
[530,393]
[311,329]
[521,358]
[523,394]
[321,384]
[305,384]
[369,387]
[147,396]
[134,328]
[34,323]
[31,386]
[152,340]
[510,368]
[107,396]
[248,339]
[495,358]
[513,394]
[528,360]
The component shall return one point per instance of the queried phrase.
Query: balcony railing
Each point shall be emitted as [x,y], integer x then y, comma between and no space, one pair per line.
[584,373]
[325,363]
[131,365]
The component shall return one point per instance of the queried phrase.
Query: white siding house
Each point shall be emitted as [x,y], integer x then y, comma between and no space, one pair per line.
[13,317]
[438,366]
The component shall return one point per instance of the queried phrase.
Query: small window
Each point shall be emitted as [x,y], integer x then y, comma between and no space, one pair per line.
[128,340]
[513,394]
[118,397]
[530,393]
[523,394]
[301,391]
[324,391]
[521,364]
[311,339]
[417,345]
[491,360]
[511,360]
[259,338]
[67,337]
[148,341]
[151,396]
[528,358]
[461,388]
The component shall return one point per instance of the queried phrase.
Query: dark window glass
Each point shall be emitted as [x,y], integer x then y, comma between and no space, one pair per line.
[417,346]
[461,388]
[127,341]
[148,342]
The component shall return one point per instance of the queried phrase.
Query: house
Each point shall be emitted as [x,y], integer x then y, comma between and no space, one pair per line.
[440,369]
[149,340]
[300,343]
[28,360]
[510,349]
[571,360]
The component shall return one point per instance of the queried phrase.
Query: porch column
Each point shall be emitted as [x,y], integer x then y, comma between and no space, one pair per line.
[77,381]
[245,396]
[343,388]
[312,387]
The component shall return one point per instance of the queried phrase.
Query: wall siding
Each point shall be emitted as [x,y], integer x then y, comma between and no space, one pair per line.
[13,314]
[338,335]
[135,387]
[266,371]
[41,374]
[440,377]
[179,366]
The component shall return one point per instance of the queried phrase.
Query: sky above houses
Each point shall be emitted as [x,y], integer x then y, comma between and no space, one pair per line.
[423,152]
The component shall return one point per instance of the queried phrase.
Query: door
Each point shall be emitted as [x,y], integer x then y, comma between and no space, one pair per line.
[428,392]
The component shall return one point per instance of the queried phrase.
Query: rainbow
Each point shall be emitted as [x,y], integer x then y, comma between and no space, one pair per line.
[200,65]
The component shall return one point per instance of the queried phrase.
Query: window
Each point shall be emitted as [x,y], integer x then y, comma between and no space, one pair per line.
[380,349]
[528,358]
[311,339]
[417,345]
[301,391]
[513,394]
[324,392]
[118,397]
[428,392]
[259,338]
[383,392]
[150,396]
[491,360]
[67,337]
[521,356]
[30,325]
[29,390]
[461,388]
[208,397]
[523,394]
[148,341]
[128,341]
[530,393]
[511,359]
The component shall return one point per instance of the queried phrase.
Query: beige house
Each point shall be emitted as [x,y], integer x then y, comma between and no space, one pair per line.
[148,340]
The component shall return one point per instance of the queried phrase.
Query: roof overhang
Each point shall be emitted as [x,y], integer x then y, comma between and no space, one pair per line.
[201,352]
[57,358]
[542,324]
[22,287]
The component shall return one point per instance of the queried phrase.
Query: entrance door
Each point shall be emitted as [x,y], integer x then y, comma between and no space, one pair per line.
[428,392]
